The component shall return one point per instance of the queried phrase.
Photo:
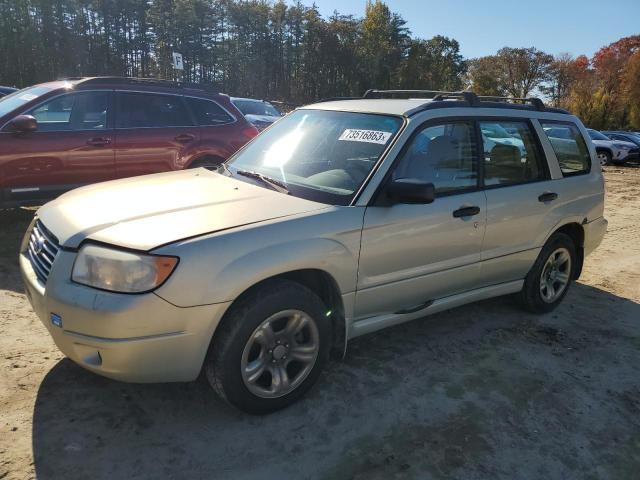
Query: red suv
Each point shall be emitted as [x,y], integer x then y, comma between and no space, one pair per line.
[59,135]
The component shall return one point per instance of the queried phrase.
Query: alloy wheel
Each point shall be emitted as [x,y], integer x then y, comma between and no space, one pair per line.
[280,354]
[555,275]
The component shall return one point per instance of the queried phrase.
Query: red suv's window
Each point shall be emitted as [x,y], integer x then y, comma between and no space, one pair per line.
[140,110]
[208,112]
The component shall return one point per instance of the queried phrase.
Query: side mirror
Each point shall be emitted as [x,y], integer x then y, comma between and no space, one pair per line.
[23,124]
[411,190]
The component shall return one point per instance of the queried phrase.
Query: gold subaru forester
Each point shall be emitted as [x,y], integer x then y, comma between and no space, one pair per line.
[342,218]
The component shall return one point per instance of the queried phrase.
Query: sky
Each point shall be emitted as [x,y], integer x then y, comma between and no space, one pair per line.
[484,26]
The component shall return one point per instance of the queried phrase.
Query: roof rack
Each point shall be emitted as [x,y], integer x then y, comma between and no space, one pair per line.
[142,81]
[470,98]
[536,102]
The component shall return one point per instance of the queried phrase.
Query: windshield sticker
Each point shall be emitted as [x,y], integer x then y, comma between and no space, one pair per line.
[368,136]
[28,97]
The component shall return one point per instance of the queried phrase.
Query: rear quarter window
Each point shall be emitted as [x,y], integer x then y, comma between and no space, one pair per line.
[569,146]
[208,112]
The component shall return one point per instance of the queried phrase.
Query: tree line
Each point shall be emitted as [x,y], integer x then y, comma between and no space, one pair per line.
[289,51]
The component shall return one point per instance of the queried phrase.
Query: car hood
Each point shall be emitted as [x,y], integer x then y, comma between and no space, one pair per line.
[146,212]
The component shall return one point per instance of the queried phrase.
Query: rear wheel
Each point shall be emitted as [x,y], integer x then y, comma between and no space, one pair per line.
[271,348]
[549,279]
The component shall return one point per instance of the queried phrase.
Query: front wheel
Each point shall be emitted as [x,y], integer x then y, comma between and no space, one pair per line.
[549,279]
[604,158]
[271,348]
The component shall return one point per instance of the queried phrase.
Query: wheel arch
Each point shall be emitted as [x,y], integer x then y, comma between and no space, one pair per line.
[605,149]
[319,282]
[204,157]
[576,232]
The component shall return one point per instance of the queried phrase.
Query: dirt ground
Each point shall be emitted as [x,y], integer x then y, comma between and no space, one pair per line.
[482,391]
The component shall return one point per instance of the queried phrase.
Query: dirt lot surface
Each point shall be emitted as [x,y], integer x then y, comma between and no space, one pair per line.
[482,391]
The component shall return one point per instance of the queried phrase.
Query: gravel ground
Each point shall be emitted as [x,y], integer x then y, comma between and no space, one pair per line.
[482,391]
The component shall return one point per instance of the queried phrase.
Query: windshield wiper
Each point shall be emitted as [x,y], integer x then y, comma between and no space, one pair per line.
[276,185]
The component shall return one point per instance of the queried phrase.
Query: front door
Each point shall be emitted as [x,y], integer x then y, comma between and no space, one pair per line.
[154,133]
[414,254]
[72,146]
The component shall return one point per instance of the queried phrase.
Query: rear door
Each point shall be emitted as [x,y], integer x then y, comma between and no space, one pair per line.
[72,146]
[155,132]
[520,196]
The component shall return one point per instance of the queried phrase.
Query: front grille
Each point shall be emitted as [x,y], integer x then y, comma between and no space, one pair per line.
[42,251]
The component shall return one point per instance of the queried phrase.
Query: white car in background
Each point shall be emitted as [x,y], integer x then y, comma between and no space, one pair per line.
[611,151]
[494,133]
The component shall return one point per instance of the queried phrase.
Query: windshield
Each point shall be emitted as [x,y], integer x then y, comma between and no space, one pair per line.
[320,155]
[597,135]
[256,107]
[21,97]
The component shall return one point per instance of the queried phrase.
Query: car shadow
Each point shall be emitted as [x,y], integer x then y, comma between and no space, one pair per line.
[465,393]
[13,224]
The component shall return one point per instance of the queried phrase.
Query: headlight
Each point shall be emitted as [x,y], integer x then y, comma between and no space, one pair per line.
[622,146]
[121,271]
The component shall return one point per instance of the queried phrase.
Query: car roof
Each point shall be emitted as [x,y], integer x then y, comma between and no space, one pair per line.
[134,83]
[387,102]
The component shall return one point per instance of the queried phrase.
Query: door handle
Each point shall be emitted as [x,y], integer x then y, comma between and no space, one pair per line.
[99,142]
[547,197]
[466,212]
[184,138]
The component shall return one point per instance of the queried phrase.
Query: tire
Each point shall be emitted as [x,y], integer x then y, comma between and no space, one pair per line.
[241,343]
[604,157]
[535,294]
[210,163]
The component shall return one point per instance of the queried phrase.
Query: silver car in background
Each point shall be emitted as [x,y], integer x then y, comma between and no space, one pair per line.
[259,113]
[343,218]
[612,151]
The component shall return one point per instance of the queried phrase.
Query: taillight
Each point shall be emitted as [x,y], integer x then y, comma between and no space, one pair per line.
[250,132]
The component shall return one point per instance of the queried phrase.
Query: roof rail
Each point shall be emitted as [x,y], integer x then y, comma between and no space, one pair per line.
[470,98]
[374,93]
[337,99]
[536,102]
[143,81]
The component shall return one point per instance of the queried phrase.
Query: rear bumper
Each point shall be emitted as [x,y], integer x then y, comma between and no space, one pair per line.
[133,338]
[594,232]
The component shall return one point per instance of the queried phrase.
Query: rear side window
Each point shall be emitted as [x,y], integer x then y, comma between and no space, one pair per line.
[145,110]
[569,146]
[510,153]
[207,112]
[443,155]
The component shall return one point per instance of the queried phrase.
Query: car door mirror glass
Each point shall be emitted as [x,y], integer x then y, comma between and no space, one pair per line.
[411,190]
[23,124]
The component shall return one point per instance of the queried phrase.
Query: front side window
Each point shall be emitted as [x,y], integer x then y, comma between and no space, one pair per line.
[208,113]
[443,155]
[569,147]
[511,156]
[148,110]
[73,111]
[320,155]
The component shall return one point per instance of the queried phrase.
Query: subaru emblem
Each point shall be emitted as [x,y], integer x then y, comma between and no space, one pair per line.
[39,245]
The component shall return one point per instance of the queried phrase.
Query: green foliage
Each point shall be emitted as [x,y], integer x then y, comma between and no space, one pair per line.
[266,49]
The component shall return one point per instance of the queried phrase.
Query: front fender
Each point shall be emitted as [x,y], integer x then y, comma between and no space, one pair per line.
[217,268]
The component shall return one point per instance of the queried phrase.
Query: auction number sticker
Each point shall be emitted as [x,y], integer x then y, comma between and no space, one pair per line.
[368,136]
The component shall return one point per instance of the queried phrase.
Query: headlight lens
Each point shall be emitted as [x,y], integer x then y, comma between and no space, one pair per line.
[121,271]
[622,146]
